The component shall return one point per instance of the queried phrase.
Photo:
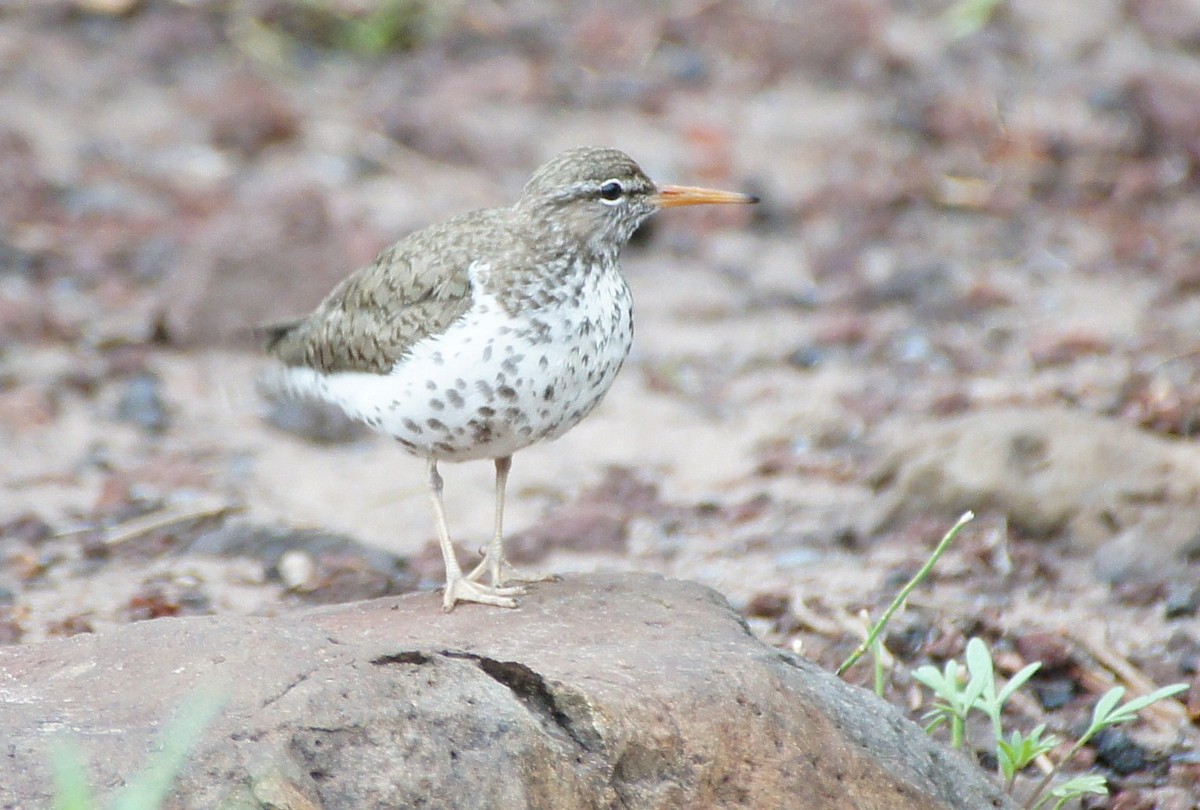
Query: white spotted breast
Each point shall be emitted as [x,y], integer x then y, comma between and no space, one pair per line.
[494,383]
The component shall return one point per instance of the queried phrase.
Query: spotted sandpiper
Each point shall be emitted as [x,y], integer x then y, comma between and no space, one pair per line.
[479,336]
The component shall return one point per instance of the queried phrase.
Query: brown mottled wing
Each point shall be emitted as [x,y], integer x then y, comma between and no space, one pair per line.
[414,289]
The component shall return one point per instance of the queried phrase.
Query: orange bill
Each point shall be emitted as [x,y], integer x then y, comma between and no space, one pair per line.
[673,196]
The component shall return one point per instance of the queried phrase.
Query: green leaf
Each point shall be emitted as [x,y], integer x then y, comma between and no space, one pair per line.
[1077,786]
[1018,680]
[1017,752]
[1105,705]
[1137,704]
[979,659]
[70,778]
[967,17]
[149,789]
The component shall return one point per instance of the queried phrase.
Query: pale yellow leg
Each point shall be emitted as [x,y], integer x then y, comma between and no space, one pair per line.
[458,587]
[493,562]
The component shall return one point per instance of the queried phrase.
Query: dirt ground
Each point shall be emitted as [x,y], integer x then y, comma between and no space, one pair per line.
[971,284]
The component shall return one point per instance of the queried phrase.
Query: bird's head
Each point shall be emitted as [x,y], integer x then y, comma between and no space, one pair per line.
[596,198]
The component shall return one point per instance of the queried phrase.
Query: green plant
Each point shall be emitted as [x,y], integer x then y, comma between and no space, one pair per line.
[961,690]
[968,17]
[1108,712]
[148,789]
[957,699]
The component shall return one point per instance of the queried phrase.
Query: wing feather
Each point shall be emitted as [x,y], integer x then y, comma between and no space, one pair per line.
[416,288]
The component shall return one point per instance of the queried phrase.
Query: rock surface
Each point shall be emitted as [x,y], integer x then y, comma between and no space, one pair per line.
[601,691]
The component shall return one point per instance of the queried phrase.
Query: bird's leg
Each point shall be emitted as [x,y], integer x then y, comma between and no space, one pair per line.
[493,556]
[493,561]
[458,587]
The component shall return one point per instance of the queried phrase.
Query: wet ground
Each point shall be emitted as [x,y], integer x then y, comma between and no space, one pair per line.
[971,284]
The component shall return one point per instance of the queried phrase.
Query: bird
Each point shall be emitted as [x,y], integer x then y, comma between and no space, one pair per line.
[479,336]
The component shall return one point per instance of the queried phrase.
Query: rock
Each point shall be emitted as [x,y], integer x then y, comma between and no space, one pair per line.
[1127,496]
[249,113]
[600,691]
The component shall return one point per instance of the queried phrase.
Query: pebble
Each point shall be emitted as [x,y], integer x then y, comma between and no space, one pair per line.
[1182,599]
[807,357]
[141,404]
[297,569]
[1117,750]
[1056,693]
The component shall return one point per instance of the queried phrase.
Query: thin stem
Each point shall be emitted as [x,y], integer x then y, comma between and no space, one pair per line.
[1032,802]
[879,626]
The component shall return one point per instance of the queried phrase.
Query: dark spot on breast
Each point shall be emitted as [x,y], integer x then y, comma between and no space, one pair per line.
[431,385]
[543,362]
[514,414]
[412,426]
[485,389]
[548,394]
[437,404]
[460,384]
[525,430]
[507,392]
[509,365]
[435,424]
[437,359]
[445,447]
[485,411]
[487,352]
[407,445]
[455,399]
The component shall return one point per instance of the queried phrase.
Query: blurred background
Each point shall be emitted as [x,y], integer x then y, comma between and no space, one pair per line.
[971,284]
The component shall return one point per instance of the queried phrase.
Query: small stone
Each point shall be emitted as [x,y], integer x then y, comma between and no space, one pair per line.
[1172,798]
[807,357]
[250,113]
[1056,693]
[1051,649]
[767,605]
[150,603]
[10,630]
[1118,751]
[141,404]
[297,570]
[70,626]
[26,528]
[1182,599]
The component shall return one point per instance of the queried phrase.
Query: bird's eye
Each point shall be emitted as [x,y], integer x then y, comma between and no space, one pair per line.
[612,191]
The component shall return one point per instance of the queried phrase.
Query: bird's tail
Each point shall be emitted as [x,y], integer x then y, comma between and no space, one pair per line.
[272,334]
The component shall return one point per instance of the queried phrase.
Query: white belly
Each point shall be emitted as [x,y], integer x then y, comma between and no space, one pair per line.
[490,386]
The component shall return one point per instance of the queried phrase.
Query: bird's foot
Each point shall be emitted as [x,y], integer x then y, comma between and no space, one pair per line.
[464,589]
[503,572]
